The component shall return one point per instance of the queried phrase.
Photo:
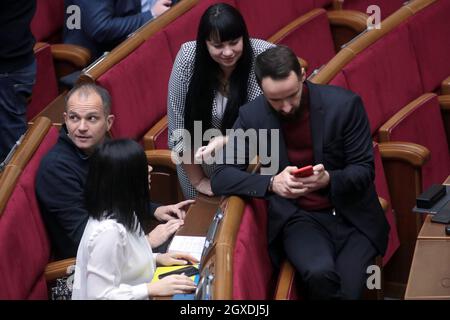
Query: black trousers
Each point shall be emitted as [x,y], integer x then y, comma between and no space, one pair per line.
[330,254]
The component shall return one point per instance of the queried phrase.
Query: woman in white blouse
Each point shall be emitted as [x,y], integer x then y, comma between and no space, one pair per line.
[114,259]
[211,78]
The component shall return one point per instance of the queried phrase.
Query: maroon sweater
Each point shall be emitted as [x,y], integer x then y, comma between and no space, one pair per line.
[297,135]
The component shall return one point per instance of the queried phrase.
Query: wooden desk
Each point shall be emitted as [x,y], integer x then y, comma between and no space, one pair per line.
[429,277]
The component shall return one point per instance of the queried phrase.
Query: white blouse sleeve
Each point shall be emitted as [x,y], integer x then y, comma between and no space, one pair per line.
[178,89]
[106,261]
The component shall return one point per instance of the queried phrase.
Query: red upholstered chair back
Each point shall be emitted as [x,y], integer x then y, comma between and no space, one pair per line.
[138,88]
[431,41]
[339,80]
[383,192]
[253,275]
[45,89]
[185,28]
[24,245]
[311,39]
[385,82]
[387,7]
[420,122]
[265,17]
[48,21]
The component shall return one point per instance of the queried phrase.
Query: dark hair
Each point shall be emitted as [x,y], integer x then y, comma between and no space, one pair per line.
[117,184]
[220,22]
[86,89]
[276,63]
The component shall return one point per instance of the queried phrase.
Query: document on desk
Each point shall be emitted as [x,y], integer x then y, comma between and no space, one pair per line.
[189,244]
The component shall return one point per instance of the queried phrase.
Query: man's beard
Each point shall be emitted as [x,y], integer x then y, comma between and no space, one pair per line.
[292,117]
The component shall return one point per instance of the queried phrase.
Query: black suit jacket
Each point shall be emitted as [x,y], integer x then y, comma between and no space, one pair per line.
[341,142]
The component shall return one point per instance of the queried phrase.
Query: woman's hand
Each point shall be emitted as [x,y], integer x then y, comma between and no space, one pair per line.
[204,186]
[163,232]
[175,259]
[170,285]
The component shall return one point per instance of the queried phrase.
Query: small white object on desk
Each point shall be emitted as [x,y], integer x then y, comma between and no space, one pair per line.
[189,244]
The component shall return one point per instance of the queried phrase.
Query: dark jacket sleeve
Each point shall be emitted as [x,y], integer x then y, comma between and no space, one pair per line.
[60,191]
[358,173]
[231,177]
[153,207]
[100,21]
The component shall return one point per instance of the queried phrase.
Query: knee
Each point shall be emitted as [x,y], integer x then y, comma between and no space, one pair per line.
[322,283]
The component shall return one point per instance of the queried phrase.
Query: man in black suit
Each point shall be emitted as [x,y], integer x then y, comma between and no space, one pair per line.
[329,225]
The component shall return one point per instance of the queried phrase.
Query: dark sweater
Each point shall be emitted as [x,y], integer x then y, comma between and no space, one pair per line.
[60,183]
[17,41]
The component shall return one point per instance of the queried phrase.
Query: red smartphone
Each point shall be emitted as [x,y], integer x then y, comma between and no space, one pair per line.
[304,172]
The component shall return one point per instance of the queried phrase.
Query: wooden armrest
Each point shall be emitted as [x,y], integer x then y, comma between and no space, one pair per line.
[444,102]
[160,157]
[58,269]
[286,281]
[76,55]
[414,154]
[354,20]
[445,86]
[150,136]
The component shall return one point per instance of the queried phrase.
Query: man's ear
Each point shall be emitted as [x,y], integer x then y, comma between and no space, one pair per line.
[109,121]
[303,74]
[65,117]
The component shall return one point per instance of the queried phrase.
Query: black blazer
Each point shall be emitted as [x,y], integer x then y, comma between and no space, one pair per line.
[341,142]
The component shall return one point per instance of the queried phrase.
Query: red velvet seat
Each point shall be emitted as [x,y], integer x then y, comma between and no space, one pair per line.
[48,21]
[420,122]
[138,88]
[24,245]
[251,251]
[310,38]
[431,42]
[385,82]
[265,17]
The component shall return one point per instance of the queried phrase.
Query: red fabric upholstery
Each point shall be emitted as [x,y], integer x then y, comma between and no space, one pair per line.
[265,17]
[45,89]
[252,268]
[385,82]
[383,192]
[24,246]
[138,88]
[423,125]
[429,34]
[339,81]
[185,28]
[387,7]
[48,21]
[322,3]
[312,41]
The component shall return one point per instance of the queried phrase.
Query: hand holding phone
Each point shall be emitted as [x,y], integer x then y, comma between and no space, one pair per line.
[304,172]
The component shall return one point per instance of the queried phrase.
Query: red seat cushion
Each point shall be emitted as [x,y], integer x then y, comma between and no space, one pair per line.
[185,28]
[312,40]
[431,41]
[45,89]
[385,82]
[48,21]
[383,192]
[138,88]
[24,245]
[265,17]
[423,125]
[251,253]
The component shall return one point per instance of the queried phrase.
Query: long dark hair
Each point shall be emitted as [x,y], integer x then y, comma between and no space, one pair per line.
[220,22]
[117,184]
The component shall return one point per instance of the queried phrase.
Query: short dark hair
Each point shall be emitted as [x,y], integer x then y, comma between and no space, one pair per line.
[86,89]
[117,184]
[276,63]
[220,22]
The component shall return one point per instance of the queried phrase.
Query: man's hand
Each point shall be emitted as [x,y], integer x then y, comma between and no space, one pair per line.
[163,232]
[207,153]
[286,185]
[160,7]
[204,186]
[173,211]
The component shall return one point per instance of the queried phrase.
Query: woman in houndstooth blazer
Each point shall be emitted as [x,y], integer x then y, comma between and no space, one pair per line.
[211,78]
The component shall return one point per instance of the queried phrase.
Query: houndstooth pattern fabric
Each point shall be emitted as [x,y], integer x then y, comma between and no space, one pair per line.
[178,87]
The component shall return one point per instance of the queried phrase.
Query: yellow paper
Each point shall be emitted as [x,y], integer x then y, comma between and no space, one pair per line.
[161,270]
